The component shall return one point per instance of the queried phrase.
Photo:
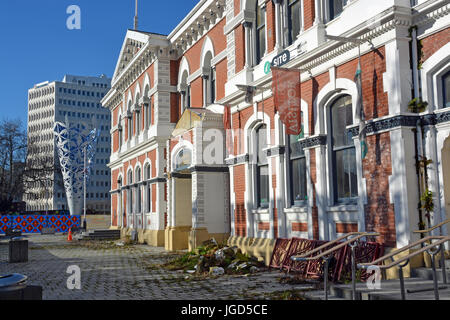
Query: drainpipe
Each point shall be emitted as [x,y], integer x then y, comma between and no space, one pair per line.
[418,135]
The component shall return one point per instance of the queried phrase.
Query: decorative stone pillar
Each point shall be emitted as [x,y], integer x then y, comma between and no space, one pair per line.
[318,12]
[278,27]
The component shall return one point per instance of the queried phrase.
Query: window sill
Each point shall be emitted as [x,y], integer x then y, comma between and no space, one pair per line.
[297,209]
[260,210]
[343,207]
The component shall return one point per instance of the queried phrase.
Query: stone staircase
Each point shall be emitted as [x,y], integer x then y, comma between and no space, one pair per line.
[100,235]
[418,287]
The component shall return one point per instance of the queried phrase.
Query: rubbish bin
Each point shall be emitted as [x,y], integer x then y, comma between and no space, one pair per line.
[18,250]
[14,287]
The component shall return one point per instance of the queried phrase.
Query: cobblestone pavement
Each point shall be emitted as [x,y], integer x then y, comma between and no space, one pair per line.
[110,272]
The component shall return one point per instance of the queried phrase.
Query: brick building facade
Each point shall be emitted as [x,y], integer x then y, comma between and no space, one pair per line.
[169,95]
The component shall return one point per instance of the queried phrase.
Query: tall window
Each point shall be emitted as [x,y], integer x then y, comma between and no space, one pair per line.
[335,8]
[343,151]
[138,122]
[148,190]
[297,170]
[120,135]
[138,191]
[446,89]
[213,85]
[148,115]
[260,33]
[262,168]
[188,96]
[130,192]
[294,19]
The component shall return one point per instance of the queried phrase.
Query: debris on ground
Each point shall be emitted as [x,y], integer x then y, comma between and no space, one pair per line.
[215,259]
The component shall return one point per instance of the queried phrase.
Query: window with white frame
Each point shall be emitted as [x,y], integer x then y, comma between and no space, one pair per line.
[446,89]
[148,190]
[335,8]
[297,168]
[130,193]
[262,168]
[294,19]
[260,32]
[343,152]
[138,191]
[212,83]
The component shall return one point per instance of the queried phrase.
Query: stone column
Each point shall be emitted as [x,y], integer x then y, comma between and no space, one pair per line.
[279,35]
[318,12]
[248,45]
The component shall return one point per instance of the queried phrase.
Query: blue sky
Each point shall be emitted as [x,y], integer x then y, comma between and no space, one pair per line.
[36,45]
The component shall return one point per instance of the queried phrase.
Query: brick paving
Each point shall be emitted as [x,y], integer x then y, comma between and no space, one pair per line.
[110,272]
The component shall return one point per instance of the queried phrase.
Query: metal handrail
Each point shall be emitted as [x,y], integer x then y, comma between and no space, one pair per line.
[328,255]
[433,228]
[397,251]
[428,249]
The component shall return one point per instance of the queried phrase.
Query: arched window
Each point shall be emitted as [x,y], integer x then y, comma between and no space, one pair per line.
[183,159]
[446,89]
[297,166]
[262,168]
[345,187]
[260,32]
[294,15]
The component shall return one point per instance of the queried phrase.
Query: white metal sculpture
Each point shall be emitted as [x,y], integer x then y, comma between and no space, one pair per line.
[71,144]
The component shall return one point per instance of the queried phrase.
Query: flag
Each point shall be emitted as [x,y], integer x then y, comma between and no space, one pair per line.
[360,112]
[227,127]
[287,95]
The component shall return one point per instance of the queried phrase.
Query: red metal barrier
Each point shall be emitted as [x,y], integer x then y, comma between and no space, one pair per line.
[339,267]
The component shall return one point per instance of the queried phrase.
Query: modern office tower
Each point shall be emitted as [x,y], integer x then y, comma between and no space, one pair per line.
[75,99]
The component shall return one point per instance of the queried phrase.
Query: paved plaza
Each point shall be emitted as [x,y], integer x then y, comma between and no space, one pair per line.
[132,272]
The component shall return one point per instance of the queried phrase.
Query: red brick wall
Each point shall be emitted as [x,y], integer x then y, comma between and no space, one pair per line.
[221,79]
[239,39]
[346,227]
[315,214]
[373,66]
[434,42]
[299,227]
[380,215]
[237,7]
[174,108]
[270,25]
[240,219]
[263,226]
[308,13]
[197,93]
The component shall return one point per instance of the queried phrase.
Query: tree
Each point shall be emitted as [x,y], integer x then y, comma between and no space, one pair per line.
[27,170]
[13,144]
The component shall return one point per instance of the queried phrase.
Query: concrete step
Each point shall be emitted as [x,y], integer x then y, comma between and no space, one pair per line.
[390,290]
[427,273]
[100,235]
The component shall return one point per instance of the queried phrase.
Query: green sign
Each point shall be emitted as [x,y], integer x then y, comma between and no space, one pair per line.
[267,67]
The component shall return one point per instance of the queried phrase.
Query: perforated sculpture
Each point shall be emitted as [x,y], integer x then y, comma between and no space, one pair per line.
[71,144]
